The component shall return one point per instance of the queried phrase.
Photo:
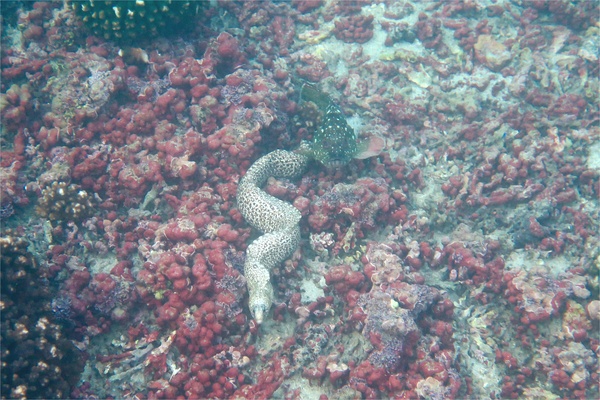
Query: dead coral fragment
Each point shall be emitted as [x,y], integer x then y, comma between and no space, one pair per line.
[492,53]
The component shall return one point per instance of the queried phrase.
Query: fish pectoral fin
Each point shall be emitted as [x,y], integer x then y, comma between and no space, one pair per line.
[311,93]
[305,149]
[371,147]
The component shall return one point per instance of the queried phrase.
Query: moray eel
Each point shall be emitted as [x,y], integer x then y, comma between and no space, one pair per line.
[334,145]
[276,219]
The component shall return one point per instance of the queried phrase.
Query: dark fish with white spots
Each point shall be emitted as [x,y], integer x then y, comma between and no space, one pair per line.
[334,141]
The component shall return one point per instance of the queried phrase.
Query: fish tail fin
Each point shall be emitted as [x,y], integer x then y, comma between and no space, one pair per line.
[370,148]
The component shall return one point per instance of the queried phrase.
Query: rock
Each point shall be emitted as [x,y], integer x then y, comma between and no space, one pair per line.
[491,53]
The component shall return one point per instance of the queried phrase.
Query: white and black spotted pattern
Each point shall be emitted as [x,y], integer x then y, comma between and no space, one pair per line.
[275,218]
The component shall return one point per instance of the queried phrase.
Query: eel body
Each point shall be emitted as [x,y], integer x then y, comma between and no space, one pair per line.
[275,219]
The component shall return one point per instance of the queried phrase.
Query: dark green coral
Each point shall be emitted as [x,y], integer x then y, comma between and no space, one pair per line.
[133,20]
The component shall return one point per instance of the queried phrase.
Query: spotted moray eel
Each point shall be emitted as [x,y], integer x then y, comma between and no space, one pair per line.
[276,219]
[334,145]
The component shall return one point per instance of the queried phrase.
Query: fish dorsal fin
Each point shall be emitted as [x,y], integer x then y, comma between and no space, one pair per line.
[371,147]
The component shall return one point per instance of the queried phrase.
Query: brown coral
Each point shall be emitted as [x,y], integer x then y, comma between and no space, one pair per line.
[37,360]
[63,202]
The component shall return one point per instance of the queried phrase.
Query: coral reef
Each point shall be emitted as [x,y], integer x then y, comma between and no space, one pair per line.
[460,262]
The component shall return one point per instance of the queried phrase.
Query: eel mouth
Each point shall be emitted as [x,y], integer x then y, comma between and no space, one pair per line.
[259,314]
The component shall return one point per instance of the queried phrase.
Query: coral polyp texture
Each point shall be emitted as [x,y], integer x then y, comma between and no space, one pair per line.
[38,359]
[60,201]
[125,20]
[300,199]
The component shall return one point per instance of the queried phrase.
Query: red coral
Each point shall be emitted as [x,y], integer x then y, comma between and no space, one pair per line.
[343,279]
[354,29]
[16,105]
[362,204]
[312,68]
[428,31]
[304,6]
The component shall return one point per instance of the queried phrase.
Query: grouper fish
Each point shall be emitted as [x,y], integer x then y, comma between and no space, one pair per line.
[334,141]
